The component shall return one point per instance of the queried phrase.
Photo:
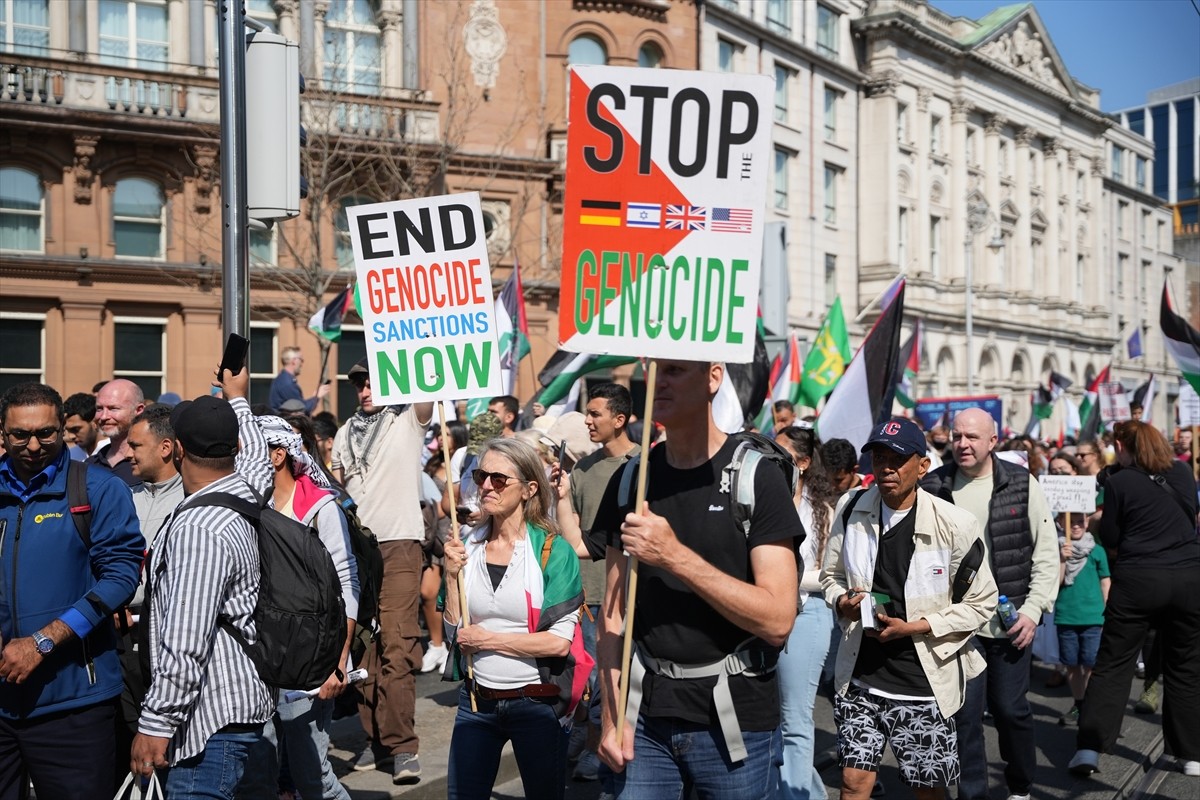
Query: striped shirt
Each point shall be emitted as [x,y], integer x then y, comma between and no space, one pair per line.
[204,566]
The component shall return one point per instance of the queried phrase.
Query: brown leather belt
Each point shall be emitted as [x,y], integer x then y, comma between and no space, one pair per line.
[538,691]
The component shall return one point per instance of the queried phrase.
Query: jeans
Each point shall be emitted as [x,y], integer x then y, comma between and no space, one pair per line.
[1005,685]
[799,670]
[303,727]
[591,631]
[69,754]
[671,758]
[539,744]
[216,771]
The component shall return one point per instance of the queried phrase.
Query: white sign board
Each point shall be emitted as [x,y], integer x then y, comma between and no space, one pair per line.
[664,212]
[427,301]
[1074,493]
[1114,404]
[1189,405]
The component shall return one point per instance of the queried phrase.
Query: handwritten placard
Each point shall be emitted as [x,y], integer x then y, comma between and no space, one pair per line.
[1074,493]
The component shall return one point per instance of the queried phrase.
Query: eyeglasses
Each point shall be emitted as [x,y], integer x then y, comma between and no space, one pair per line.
[1083,453]
[43,435]
[499,479]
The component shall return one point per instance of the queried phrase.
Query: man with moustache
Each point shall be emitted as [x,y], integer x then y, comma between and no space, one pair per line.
[117,403]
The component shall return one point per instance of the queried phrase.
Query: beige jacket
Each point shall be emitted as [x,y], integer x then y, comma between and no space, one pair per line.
[944,534]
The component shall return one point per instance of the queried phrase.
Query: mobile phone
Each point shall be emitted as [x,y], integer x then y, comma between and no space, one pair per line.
[234,357]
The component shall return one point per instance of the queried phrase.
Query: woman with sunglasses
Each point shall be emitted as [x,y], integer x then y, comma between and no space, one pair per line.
[523,594]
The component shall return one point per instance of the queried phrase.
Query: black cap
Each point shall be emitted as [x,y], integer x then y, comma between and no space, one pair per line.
[359,372]
[901,435]
[206,427]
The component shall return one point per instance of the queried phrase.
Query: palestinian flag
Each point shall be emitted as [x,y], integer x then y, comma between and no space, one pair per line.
[1057,384]
[1043,403]
[857,402]
[910,362]
[1183,341]
[1144,396]
[564,368]
[327,322]
[1089,410]
[785,383]
[512,328]
[827,359]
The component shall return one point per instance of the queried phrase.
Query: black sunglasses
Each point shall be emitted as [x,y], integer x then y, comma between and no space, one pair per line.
[499,479]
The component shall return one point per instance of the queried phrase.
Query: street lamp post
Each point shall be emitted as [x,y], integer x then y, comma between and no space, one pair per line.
[979,217]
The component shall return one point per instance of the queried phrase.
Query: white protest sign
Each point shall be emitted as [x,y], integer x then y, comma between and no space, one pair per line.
[663,213]
[1114,405]
[1189,405]
[427,301]
[1074,493]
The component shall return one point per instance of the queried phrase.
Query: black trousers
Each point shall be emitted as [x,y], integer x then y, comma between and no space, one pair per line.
[68,755]
[1169,599]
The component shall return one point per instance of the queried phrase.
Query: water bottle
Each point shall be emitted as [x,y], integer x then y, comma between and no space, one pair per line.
[1007,613]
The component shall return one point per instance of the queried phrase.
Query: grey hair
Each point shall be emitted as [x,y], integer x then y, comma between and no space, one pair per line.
[530,469]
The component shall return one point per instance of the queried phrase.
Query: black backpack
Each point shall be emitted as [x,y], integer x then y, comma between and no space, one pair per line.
[300,616]
[365,548]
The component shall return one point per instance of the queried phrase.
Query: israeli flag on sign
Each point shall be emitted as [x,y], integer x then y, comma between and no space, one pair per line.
[643,215]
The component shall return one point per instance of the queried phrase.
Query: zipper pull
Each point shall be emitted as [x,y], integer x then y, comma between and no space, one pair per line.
[91,671]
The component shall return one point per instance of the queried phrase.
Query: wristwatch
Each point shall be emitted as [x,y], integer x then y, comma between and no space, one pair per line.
[45,645]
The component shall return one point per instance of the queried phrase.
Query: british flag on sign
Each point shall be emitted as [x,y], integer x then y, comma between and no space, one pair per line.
[731,220]
[685,218]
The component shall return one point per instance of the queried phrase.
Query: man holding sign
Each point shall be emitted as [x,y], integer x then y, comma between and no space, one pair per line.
[708,591]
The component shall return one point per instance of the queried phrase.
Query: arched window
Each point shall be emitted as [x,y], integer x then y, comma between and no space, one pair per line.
[21,211]
[353,52]
[138,219]
[343,248]
[588,49]
[650,56]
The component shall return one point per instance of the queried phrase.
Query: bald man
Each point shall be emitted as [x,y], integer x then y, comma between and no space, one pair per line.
[1022,547]
[117,403]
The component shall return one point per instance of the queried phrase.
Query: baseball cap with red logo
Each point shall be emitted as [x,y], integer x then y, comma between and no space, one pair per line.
[901,435]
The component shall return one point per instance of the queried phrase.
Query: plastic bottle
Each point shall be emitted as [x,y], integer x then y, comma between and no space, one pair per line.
[1007,613]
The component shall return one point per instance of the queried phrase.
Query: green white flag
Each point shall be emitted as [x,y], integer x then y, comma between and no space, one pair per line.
[827,359]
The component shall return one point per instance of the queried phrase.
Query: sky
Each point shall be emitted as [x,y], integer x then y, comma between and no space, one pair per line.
[1124,48]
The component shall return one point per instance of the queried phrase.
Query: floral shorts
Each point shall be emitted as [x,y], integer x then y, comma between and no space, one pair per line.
[925,743]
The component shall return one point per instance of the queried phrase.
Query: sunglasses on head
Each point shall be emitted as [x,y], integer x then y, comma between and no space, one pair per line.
[499,479]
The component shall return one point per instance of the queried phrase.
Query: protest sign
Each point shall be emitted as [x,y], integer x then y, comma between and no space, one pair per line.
[1073,493]
[427,302]
[1189,405]
[934,411]
[1114,404]
[663,212]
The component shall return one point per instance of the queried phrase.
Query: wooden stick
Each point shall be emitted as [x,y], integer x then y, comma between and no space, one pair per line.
[1195,448]
[462,581]
[631,586]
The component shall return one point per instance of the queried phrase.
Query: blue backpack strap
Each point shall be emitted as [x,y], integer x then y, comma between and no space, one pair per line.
[629,470]
[77,501]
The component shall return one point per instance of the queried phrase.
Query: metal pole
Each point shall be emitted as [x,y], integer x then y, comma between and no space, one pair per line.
[235,243]
[970,317]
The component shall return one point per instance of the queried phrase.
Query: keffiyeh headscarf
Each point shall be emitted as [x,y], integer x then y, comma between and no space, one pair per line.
[279,433]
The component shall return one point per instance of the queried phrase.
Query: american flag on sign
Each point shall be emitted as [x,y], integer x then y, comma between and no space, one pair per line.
[685,218]
[731,220]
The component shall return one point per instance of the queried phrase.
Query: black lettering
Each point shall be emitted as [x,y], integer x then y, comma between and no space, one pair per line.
[610,129]
[422,235]
[468,223]
[726,138]
[700,135]
[365,236]
[648,95]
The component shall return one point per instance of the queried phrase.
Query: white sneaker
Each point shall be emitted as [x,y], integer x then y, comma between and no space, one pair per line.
[1018,797]
[1191,768]
[434,658]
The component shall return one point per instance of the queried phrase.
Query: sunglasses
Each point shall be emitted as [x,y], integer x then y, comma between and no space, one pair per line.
[499,480]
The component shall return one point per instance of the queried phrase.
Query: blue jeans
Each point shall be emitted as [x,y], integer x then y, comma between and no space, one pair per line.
[671,758]
[1005,685]
[216,771]
[800,666]
[591,632]
[302,728]
[539,744]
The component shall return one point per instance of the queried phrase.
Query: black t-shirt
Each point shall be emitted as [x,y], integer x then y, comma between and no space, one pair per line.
[674,623]
[1146,523]
[893,666]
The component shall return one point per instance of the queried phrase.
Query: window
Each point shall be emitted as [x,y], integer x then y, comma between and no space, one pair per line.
[827,31]
[262,248]
[1122,212]
[1140,175]
[1080,268]
[1032,175]
[1037,256]
[25,26]
[1143,276]
[352,48]
[264,12]
[138,217]
[831,291]
[21,357]
[587,50]
[1118,156]
[935,246]
[1144,235]
[1003,165]
[1158,239]
[1122,268]
[902,123]
[343,249]
[782,79]
[1080,187]
[264,360]
[650,56]
[779,15]
[831,193]
[139,352]
[21,211]
[351,349]
[972,156]
[832,96]
[726,51]
[133,33]
[902,238]
[782,162]
[935,134]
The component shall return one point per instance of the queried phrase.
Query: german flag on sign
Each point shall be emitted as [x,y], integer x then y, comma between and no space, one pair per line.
[600,212]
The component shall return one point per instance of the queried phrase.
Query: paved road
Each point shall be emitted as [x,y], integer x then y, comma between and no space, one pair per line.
[1125,774]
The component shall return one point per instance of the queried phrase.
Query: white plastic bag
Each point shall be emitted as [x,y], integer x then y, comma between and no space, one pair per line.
[132,789]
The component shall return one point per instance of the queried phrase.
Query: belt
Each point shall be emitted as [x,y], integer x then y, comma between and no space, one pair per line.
[538,691]
[242,727]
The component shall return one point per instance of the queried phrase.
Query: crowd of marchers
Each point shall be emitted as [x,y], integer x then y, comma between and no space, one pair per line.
[915,580]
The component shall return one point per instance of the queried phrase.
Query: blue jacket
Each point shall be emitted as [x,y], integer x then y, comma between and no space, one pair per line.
[45,571]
